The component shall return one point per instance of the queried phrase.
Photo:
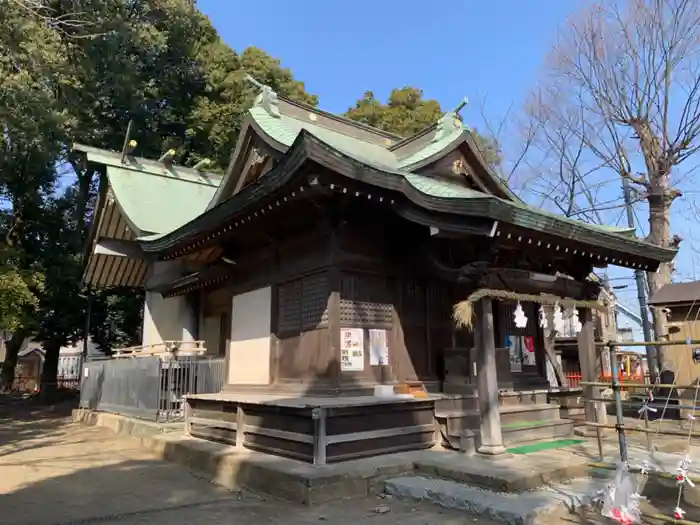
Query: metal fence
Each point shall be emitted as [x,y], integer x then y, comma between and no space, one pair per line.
[150,387]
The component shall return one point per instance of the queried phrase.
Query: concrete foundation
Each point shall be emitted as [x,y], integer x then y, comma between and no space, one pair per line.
[304,483]
[530,489]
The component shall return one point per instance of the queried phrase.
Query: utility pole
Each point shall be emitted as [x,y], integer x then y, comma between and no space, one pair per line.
[641,286]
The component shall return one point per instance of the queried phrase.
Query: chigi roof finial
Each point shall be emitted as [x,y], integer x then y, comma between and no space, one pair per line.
[267,98]
[450,122]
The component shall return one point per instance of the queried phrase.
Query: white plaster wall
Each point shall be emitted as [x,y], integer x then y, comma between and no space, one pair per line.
[171,319]
[249,347]
[162,319]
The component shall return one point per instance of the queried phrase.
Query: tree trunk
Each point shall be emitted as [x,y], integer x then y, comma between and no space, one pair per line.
[12,348]
[659,235]
[49,373]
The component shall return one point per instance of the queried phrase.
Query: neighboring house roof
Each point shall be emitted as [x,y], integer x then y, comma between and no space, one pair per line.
[31,350]
[677,293]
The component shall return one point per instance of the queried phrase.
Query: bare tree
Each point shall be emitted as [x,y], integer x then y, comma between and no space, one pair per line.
[513,136]
[631,72]
[66,20]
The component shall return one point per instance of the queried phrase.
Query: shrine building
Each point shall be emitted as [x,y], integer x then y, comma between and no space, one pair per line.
[371,293]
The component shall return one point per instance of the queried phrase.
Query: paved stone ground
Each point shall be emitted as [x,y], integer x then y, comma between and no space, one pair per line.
[55,472]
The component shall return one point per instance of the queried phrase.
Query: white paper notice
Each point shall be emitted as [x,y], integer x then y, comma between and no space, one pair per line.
[378,348]
[352,352]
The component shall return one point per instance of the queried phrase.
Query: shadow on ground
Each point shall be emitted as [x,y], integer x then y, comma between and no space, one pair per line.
[146,492]
[26,424]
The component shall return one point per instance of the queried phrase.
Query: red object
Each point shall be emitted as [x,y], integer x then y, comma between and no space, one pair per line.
[529,343]
[619,517]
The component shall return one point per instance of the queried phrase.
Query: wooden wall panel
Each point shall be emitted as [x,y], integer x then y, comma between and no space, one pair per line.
[306,357]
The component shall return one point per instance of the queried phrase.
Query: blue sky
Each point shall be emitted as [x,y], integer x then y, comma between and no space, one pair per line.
[342,49]
[491,52]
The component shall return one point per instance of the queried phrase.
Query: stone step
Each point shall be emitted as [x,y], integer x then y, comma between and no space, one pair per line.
[570,397]
[541,506]
[457,403]
[469,440]
[521,434]
[523,397]
[458,420]
[575,413]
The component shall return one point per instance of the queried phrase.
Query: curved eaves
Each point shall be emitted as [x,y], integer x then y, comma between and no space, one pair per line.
[479,157]
[307,147]
[488,206]
[97,217]
[132,225]
[249,131]
[437,155]
[465,138]
[264,186]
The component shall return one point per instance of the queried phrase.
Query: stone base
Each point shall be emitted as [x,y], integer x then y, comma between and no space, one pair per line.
[538,507]
[491,450]
[303,483]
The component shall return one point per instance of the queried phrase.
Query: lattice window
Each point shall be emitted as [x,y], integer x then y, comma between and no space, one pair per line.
[303,303]
[289,306]
[413,301]
[365,300]
[314,301]
[439,302]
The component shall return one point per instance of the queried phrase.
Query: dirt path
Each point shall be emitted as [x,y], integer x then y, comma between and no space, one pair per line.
[56,472]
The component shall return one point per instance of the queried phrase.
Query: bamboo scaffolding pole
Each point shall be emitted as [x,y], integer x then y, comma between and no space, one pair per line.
[603,384]
[668,519]
[606,465]
[619,420]
[659,406]
[654,343]
[644,430]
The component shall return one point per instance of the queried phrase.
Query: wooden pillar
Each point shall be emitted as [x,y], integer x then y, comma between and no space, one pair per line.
[589,370]
[487,380]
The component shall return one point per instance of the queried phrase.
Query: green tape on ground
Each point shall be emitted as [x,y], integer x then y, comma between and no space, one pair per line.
[546,445]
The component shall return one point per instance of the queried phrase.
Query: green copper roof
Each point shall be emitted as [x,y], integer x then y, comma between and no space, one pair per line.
[154,198]
[433,148]
[157,203]
[444,189]
[285,130]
